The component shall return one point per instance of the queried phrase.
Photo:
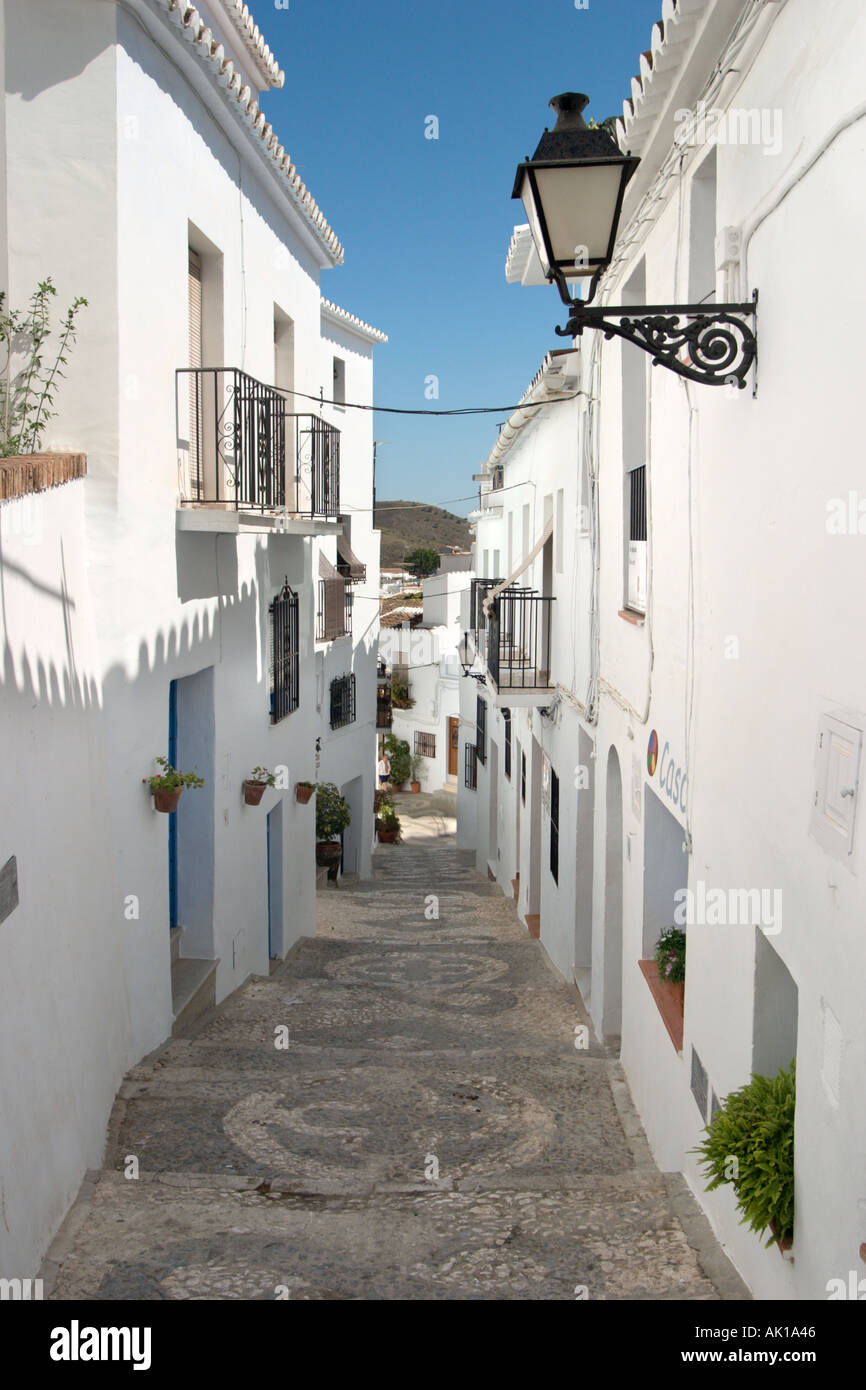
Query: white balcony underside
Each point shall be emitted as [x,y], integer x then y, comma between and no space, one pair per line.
[191,517]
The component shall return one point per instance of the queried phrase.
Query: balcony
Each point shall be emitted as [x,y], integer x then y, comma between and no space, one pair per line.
[383,702]
[513,641]
[246,463]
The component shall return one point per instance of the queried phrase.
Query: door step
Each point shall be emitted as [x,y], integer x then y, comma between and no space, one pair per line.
[193,993]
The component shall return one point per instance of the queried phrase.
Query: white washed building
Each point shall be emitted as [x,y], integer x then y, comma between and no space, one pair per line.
[142,603]
[429,656]
[702,722]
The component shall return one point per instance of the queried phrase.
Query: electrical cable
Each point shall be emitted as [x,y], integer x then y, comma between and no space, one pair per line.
[403,410]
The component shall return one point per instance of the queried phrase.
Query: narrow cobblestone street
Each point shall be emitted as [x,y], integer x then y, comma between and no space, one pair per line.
[308,1171]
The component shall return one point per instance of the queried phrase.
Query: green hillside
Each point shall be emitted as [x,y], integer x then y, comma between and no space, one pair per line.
[407,525]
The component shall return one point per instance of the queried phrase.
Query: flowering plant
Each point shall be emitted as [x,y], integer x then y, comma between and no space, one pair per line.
[170,779]
[671,955]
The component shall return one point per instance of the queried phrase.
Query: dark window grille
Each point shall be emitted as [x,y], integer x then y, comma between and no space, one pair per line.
[285,665]
[481,729]
[523,778]
[506,715]
[637,504]
[554,825]
[425,744]
[342,701]
[334,612]
[470,766]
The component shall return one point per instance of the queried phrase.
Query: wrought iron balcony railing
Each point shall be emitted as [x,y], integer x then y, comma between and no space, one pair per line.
[518,640]
[240,448]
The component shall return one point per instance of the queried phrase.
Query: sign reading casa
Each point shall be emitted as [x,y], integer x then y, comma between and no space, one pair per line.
[672,778]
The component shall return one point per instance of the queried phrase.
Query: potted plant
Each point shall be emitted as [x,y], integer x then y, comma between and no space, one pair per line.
[389,825]
[400,758]
[255,786]
[167,785]
[303,791]
[671,961]
[750,1144]
[332,817]
[400,697]
[415,764]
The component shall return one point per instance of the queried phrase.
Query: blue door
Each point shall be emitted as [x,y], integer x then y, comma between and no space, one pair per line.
[172,820]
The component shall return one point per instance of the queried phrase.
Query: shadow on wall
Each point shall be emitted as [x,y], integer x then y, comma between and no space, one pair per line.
[85,985]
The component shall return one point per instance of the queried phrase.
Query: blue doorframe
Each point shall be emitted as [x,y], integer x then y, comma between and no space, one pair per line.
[172,819]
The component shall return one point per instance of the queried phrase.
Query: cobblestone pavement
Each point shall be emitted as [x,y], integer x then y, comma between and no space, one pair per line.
[417,1045]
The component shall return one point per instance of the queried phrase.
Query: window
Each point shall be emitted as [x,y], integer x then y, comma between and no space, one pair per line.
[334,613]
[554,825]
[470,766]
[342,701]
[634,453]
[481,729]
[506,715]
[523,778]
[339,381]
[285,665]
[425,744]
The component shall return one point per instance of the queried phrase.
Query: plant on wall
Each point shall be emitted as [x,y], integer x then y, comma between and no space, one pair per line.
[28,379]
[400,697]
[671,955]
[400,758]
[750,1144]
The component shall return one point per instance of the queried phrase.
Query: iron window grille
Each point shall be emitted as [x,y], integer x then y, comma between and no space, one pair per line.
[481,729]
[506,715]
[425,744]
[284,662]
[554,825]
[637,504]
[470,766]
[334,612]
[342,701]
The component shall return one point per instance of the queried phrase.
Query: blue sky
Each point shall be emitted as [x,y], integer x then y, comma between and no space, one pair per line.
[426,223]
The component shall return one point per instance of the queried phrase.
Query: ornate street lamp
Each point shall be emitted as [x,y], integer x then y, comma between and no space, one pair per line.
[468,657]
[572,190]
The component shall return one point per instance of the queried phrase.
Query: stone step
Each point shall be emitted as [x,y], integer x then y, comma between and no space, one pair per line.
[193,993]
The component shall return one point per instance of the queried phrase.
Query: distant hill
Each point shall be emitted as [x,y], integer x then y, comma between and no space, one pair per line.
[406,525]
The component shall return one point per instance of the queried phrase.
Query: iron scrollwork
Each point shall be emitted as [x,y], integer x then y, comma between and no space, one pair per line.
[712,344]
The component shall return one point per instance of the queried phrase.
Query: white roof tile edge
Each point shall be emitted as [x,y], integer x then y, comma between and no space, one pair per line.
[366,330]
[659,66]
[544,388]
[194,29]
[254,42]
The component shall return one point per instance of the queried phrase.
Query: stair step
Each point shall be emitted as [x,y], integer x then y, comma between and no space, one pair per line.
[193,992]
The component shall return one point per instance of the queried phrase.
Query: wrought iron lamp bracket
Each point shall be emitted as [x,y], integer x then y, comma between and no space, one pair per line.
[715,344]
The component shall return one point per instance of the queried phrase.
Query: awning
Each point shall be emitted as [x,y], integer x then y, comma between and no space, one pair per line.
[326,569]
[333,618]
[491,594]
[350,565]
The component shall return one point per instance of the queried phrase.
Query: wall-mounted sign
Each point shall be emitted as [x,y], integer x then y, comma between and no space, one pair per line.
[652,752]
[673,779]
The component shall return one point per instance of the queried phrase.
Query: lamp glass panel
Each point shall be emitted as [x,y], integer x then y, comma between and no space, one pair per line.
[579,207]
[534,222]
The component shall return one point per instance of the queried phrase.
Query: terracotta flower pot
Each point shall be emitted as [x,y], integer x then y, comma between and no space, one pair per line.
[253,792]
[303,793]
[328,853]
[415,786]
[387,837]
[167,800]
[784,1244]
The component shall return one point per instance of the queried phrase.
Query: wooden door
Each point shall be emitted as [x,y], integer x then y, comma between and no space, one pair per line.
[453,746]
